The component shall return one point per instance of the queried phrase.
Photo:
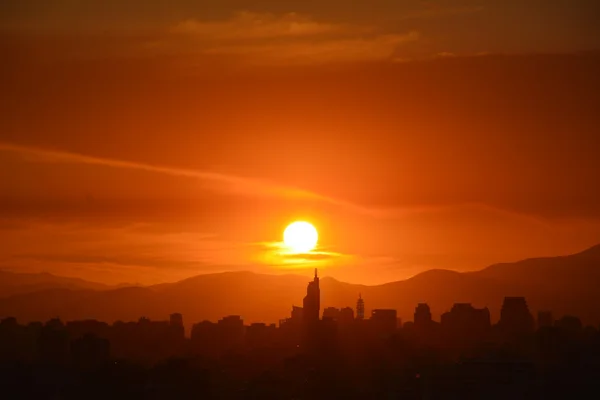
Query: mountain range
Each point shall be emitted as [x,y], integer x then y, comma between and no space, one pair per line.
[564,285]
[12,283]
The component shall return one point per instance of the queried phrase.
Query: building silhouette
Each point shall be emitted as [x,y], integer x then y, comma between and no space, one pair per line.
[90,351]
[297,314]
[176,325]
[204,337]
[53,342]
[545,319]
[360,308]
[341,357]
[570,324]
[292,328]
[310,314]
[515,318]
[260,335]
[332,313]
[346,316]
[312,301]
[231,332]
[464,325]
[78,329]
[296,318]
[383,322]
[422,315]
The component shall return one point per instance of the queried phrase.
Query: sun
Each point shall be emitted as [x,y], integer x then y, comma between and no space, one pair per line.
[300,237]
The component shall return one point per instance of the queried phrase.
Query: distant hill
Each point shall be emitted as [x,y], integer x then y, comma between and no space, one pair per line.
[565,285]
[12,283]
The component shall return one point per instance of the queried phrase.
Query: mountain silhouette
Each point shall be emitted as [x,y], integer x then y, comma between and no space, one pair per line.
[564,285]
[12,283]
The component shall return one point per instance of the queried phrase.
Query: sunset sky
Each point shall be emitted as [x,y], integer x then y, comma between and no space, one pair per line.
[148,141]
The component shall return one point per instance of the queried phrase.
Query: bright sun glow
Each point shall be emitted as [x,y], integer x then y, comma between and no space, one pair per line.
[300,237]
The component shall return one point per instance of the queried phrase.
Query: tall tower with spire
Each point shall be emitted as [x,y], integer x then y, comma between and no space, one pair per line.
[310,317]
[360,308]
[312,300]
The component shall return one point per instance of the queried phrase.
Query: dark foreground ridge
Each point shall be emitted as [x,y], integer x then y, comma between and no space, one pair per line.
[313,354]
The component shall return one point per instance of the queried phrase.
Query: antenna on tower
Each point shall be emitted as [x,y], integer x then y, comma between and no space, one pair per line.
[315,273]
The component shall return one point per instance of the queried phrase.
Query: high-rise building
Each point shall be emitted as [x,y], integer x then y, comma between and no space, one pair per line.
[176,326]
[204,337]
[422,316]
[260,335]
[515,317]
[570,324]
[312,301]
[53,342]
[360,308]
[466,323]
[384,322]
[331,313]
[90,350]
[312,306]
[176,319]
[346,316]
[297,314]
[231,331]
[545,319]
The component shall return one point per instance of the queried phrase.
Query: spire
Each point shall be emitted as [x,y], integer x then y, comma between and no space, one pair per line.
[316,274]
[360,295]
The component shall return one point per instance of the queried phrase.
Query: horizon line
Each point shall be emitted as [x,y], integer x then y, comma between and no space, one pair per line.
[286,273]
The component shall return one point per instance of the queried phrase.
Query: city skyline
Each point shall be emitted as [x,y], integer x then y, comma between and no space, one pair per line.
[464,353]
[515,312]
[308,330]
[565,285]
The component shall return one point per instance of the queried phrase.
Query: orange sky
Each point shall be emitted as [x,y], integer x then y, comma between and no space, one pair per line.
[142,142]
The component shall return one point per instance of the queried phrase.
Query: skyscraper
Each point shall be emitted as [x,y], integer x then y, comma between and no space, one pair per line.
[384,322]
[311,310]
[312,301]
[331,313]
[422,316]
[545,319]
[346,316]
[176,326]
[515,317]
[360,308]
[466,324]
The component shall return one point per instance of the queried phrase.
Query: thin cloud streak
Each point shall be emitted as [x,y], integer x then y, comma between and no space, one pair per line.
[239,184]
[255,187]
[434,11]
[338,50]
[256,39]
[244,25]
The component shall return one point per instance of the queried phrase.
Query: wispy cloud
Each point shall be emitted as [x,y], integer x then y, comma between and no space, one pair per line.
[232,182]
[354,49]
[116,254]
[267,39]
[242,39]
[246,25]
[253,187]
[225,182]
[438,9]
[277,254]
[445,54]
